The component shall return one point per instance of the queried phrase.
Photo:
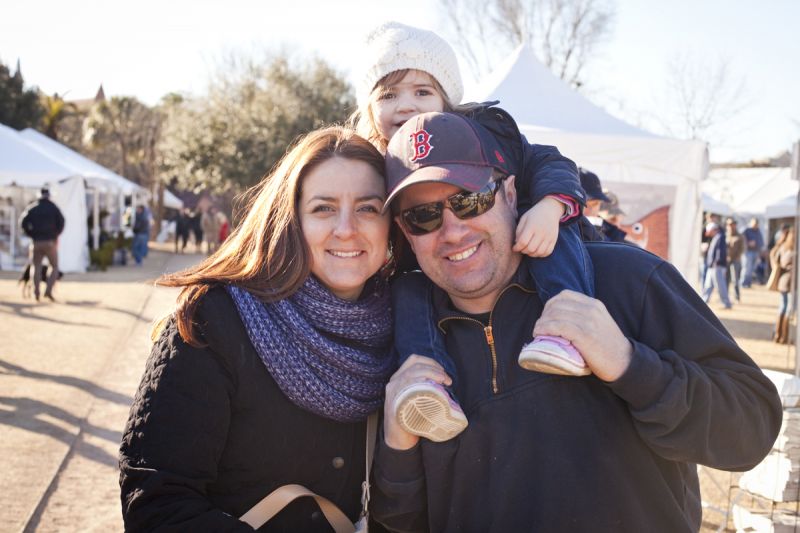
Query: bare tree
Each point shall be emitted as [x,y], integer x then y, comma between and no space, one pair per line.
[702,96]
[563,33]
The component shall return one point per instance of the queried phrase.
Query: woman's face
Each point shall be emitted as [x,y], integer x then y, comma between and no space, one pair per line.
[340,214]
[393,105]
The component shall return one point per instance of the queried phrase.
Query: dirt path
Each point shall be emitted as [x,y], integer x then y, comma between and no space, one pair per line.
[68,372]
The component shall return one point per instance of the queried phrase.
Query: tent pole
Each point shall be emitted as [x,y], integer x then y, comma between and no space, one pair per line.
[793,295]
[96,218]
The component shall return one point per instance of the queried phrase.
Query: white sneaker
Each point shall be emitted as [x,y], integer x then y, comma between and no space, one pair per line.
[427,410]
[553,355]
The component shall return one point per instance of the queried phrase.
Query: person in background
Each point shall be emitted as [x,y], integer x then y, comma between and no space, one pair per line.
[182,229]
[211,225]
[196,227]
[612,215]
[735,243]
[716,265]
[141,234]
[783,260]
[596,198]
[754,246]
[43,222]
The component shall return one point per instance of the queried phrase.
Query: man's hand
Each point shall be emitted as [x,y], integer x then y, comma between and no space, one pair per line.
[537,230]
[415,369]
[586,323]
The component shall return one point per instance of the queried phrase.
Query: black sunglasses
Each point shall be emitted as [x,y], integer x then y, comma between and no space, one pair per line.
[425,218]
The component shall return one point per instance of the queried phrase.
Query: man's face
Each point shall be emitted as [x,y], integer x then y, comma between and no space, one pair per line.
[470,259]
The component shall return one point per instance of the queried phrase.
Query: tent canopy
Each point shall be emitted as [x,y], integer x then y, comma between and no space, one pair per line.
[646,172]
[749,191]
[23,165]
[785,208]
[95,174]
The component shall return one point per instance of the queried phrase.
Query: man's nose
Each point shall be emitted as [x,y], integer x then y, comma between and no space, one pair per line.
[453,229]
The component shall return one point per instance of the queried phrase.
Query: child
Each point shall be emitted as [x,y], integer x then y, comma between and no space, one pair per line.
[414,71]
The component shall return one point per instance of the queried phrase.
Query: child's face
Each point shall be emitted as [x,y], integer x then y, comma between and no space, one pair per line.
[394,104]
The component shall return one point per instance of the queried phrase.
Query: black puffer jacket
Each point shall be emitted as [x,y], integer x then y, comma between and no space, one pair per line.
[42,221]
[210,434]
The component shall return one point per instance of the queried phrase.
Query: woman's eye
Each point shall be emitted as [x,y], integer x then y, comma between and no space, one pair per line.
[321,209]
[369,209]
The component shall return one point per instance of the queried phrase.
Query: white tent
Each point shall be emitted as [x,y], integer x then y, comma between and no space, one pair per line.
[96,174]
[22,165]
[73,250]
[750,190]
[785,208]
[656,179]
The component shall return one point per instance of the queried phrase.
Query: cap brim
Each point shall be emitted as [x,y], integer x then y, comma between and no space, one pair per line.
[469,177]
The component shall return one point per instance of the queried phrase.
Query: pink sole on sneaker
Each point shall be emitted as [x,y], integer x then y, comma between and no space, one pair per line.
[426,410]
[550,358]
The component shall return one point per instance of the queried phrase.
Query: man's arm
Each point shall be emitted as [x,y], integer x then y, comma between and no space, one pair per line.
[694,395]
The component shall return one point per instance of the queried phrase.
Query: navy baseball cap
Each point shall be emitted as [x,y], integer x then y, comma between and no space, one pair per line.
[591,184]
[445,148]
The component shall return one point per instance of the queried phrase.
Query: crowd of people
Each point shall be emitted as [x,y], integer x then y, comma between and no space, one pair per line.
[739,259]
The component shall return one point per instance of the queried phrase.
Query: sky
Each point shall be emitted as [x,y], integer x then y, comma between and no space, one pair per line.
[150,48]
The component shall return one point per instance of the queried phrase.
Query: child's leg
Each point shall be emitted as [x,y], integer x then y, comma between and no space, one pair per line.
[568,267]
[425,409]
[415,330]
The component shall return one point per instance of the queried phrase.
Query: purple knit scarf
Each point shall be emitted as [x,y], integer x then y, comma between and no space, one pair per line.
[293,337]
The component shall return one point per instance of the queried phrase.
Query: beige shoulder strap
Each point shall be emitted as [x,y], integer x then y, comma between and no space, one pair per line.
[279,498]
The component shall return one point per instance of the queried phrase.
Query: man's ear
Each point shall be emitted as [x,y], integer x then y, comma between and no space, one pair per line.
[408,236]
[510,191]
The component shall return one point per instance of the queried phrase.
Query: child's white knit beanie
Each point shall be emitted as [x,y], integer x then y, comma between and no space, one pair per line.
[393,46]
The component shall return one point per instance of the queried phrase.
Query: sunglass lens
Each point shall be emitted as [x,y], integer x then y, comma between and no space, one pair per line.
[423,218]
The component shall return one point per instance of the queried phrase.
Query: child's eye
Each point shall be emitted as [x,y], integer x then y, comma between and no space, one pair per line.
[424,92]
[386,95]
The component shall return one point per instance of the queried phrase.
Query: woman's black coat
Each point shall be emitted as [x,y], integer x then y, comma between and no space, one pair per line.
[210,434]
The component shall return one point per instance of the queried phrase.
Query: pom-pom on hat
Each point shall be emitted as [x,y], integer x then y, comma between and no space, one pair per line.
[393,46]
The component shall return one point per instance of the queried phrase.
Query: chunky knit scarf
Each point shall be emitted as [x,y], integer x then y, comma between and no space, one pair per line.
[294,338]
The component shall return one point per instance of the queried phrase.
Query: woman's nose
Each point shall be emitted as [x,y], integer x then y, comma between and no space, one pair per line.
[345,226]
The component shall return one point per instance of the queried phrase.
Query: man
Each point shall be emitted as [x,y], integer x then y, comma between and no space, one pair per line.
[43,222]
[615,451]
[716,265]
[735,245]
[141,234]
[596,199]
[754,245]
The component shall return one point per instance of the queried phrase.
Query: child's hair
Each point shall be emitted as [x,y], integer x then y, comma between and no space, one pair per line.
[395,49]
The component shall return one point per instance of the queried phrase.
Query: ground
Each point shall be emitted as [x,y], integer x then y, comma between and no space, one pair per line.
[68,372]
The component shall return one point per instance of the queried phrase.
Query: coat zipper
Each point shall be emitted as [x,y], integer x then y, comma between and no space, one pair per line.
[488,332]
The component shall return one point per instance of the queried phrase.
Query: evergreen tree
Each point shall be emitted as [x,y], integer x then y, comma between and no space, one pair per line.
[20,108]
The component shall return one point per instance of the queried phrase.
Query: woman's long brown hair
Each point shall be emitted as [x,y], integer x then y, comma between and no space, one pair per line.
[267,253]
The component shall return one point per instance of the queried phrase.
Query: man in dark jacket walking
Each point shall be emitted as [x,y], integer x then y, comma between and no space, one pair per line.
[614,451]
[716,265]
[43,222]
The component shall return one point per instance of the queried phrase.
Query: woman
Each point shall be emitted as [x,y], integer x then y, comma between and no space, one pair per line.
[782,260]
[277,352]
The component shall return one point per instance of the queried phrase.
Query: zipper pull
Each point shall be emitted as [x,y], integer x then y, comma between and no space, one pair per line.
[489,335]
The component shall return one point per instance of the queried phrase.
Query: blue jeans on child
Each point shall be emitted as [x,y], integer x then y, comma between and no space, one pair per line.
[415,330]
